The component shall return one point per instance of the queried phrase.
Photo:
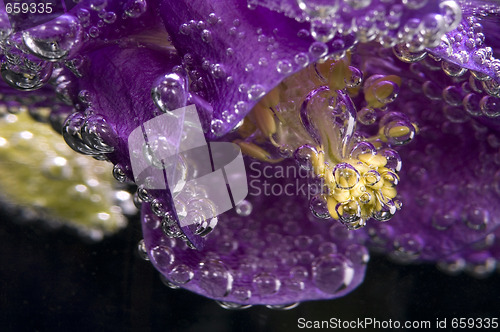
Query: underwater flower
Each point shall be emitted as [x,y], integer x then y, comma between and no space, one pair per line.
[366,124]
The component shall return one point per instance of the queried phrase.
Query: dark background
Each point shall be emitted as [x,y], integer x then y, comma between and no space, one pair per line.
[52,280]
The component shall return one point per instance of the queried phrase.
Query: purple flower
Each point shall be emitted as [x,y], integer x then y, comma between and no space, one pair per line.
[327,98]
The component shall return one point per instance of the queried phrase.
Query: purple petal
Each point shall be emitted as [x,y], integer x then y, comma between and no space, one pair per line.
[235,55]
[271,253]
[116,85]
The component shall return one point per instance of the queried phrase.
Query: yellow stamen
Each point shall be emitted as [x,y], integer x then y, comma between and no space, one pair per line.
[360,186]
[331,203]
[373,160]
[389,192]
[318,162]
[399,131]
[341,195]
[377,185]
[358,190]
[264,119]
[256,152]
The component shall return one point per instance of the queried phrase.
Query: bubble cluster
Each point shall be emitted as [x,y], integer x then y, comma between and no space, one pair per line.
[386,22]
[89,134]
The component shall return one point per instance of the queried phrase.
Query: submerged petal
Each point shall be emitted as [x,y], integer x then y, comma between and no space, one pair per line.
[269,250]
[235,54]
[116,86]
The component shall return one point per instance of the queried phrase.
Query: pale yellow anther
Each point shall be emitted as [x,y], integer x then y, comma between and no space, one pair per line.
[383,90]
[389,176]
[256,152]
[358,190]
[389,192]
[341,195]
[361,167]
[383,170]
[366,210]
[351,207]
[318,163]
[399,131]
[344,183]
[346,178]
[353,92]
[373,160]
[370,178]
[331,203]
[381,136]
[377,185]
[329,179]
[264,118]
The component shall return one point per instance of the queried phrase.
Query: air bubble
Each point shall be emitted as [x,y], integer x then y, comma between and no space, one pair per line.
[318,49]
[244,208]
[349,213]
[452,14]
[355,78]
[319,8]
[206,36]
[332,273]
[346,176]
[490,106]
[367,116]
[256,92]
[135,8]
[162,257]
[414,4]
[141,249]
[301,59]
[318,207]
[266,284]
[181,274]
[284,67]
[452,69]
[215,278]
[323,30]
[24,78]
[217,127]
[303,156]
[55,39]
[119,173]
[169,92]
[471,104]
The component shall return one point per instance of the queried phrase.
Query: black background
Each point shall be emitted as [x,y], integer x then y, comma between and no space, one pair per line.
[51,280]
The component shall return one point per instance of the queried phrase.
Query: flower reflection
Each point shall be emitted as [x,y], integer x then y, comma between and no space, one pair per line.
[390,107]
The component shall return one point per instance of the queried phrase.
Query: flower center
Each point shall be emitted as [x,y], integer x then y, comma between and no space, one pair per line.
[312,117]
